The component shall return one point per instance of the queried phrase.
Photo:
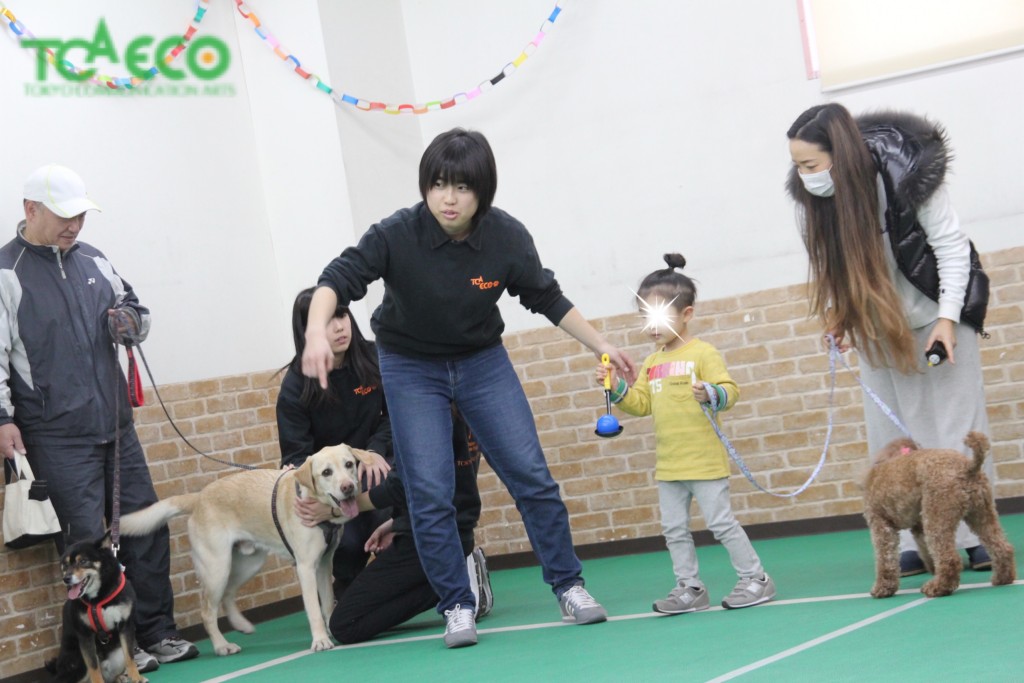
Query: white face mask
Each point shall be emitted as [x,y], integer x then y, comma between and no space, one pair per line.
[819,184]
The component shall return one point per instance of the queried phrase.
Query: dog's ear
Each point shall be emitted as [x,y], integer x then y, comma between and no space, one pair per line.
[106,541]
[365,457]
[305,474]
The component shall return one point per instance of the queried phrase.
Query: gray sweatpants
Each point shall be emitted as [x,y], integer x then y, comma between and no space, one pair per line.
[939,405]
[675,498]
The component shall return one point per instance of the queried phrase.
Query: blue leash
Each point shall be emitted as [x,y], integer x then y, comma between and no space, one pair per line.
[833,354]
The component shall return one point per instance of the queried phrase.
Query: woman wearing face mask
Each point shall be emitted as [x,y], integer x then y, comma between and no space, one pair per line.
[892,275]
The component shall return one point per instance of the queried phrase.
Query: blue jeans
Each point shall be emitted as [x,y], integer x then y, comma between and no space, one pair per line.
[487,392]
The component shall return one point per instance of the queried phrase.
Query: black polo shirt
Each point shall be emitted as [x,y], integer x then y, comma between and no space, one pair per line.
[441,295]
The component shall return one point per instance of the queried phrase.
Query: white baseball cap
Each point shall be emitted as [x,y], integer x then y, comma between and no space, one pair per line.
[60,189]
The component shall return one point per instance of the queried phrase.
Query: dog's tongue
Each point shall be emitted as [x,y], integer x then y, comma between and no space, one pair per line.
[75,591]
[349,508]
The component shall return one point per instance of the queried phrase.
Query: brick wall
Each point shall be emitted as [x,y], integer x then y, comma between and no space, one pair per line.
[772,351]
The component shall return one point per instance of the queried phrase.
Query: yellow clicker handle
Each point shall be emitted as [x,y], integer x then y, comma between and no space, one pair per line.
[607,362]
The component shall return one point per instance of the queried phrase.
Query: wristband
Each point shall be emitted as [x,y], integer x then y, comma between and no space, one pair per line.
[620,391]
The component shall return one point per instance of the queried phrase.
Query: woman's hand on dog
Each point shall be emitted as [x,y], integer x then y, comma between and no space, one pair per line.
[374,471]
[312,511]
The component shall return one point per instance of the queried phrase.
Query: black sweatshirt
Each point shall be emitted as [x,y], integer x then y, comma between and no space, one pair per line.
[441,295]
[359,418]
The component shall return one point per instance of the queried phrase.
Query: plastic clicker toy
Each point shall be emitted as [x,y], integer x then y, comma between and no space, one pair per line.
[607,425]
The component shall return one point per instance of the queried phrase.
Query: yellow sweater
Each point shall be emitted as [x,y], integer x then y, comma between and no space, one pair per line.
[687,446]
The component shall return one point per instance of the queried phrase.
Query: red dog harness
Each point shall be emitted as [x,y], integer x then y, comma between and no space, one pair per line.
[95,612]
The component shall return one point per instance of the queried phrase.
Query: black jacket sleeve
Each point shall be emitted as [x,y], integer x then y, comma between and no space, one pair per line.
[294,424]
[380,439]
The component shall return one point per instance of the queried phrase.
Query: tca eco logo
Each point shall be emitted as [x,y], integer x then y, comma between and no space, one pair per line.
[78,60]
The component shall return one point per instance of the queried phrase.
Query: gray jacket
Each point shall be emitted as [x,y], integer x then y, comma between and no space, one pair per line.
[59,368]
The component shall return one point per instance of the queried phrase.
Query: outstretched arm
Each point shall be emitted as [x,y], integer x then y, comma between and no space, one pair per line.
[317,357]
[576,325]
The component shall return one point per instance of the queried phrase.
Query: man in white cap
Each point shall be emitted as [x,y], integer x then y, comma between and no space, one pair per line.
[63,308]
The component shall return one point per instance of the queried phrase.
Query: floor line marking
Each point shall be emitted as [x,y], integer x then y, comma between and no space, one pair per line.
[529,627]
[735,673]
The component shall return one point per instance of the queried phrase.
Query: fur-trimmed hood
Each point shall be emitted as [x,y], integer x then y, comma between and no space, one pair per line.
[911,150]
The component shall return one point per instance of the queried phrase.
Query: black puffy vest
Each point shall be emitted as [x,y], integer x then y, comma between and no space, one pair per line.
[911,155]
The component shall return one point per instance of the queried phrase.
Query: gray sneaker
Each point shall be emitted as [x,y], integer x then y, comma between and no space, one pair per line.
[750,592]
[144,661]
[173,650]
[579,607]
[683,599]
[460,627]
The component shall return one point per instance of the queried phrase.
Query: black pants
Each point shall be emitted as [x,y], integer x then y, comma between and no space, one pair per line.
[80,480]
[389,591]
[350,558]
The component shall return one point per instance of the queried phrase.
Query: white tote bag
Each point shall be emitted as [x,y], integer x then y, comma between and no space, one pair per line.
[29,517]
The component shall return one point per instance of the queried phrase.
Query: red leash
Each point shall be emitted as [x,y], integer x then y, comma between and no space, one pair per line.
[134,380]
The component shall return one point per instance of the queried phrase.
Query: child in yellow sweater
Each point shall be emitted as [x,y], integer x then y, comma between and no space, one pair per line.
[681,375]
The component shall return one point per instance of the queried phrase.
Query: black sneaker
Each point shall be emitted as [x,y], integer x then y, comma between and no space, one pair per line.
[979,559]
[911,563]
[173,650]
[144,661]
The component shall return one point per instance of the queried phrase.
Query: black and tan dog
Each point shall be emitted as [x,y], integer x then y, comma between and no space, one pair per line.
[98,640]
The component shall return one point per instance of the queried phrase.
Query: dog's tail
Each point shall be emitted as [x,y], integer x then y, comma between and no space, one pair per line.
[978,443]
[148,520]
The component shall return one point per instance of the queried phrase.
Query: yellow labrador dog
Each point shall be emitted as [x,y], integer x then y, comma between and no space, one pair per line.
[236,520]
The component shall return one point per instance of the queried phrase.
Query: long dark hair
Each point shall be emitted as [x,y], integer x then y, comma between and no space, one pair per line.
[670,285]
[850,285]
[361,355]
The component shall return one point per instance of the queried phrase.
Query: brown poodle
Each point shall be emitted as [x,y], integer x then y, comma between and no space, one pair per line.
[929,491]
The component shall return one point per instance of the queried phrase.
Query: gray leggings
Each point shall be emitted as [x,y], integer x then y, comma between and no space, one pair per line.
[939,405]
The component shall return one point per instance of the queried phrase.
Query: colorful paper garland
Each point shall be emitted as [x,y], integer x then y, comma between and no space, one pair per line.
[21,32]
[370,105]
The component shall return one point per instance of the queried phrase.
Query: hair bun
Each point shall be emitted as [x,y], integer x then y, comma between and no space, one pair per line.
[675,261]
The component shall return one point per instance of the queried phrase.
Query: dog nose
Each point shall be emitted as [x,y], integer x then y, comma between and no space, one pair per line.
[348,489]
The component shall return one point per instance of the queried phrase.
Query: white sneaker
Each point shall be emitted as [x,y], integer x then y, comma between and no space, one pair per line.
[460,627]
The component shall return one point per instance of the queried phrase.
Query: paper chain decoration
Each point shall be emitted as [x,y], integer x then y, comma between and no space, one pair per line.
[21,32]
[339,98]
[367,105]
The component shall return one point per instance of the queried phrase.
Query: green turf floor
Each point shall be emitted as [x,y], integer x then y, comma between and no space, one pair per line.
[822,627]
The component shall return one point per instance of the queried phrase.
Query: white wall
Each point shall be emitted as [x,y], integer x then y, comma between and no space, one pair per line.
[216,209]
[635,129]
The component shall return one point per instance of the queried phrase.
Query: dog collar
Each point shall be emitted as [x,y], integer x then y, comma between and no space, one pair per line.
[330,531]
[95,611]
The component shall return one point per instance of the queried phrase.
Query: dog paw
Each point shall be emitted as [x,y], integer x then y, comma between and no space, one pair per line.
[883,591]
[1003,578]
[933,589]
[322,644]
[228,649]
